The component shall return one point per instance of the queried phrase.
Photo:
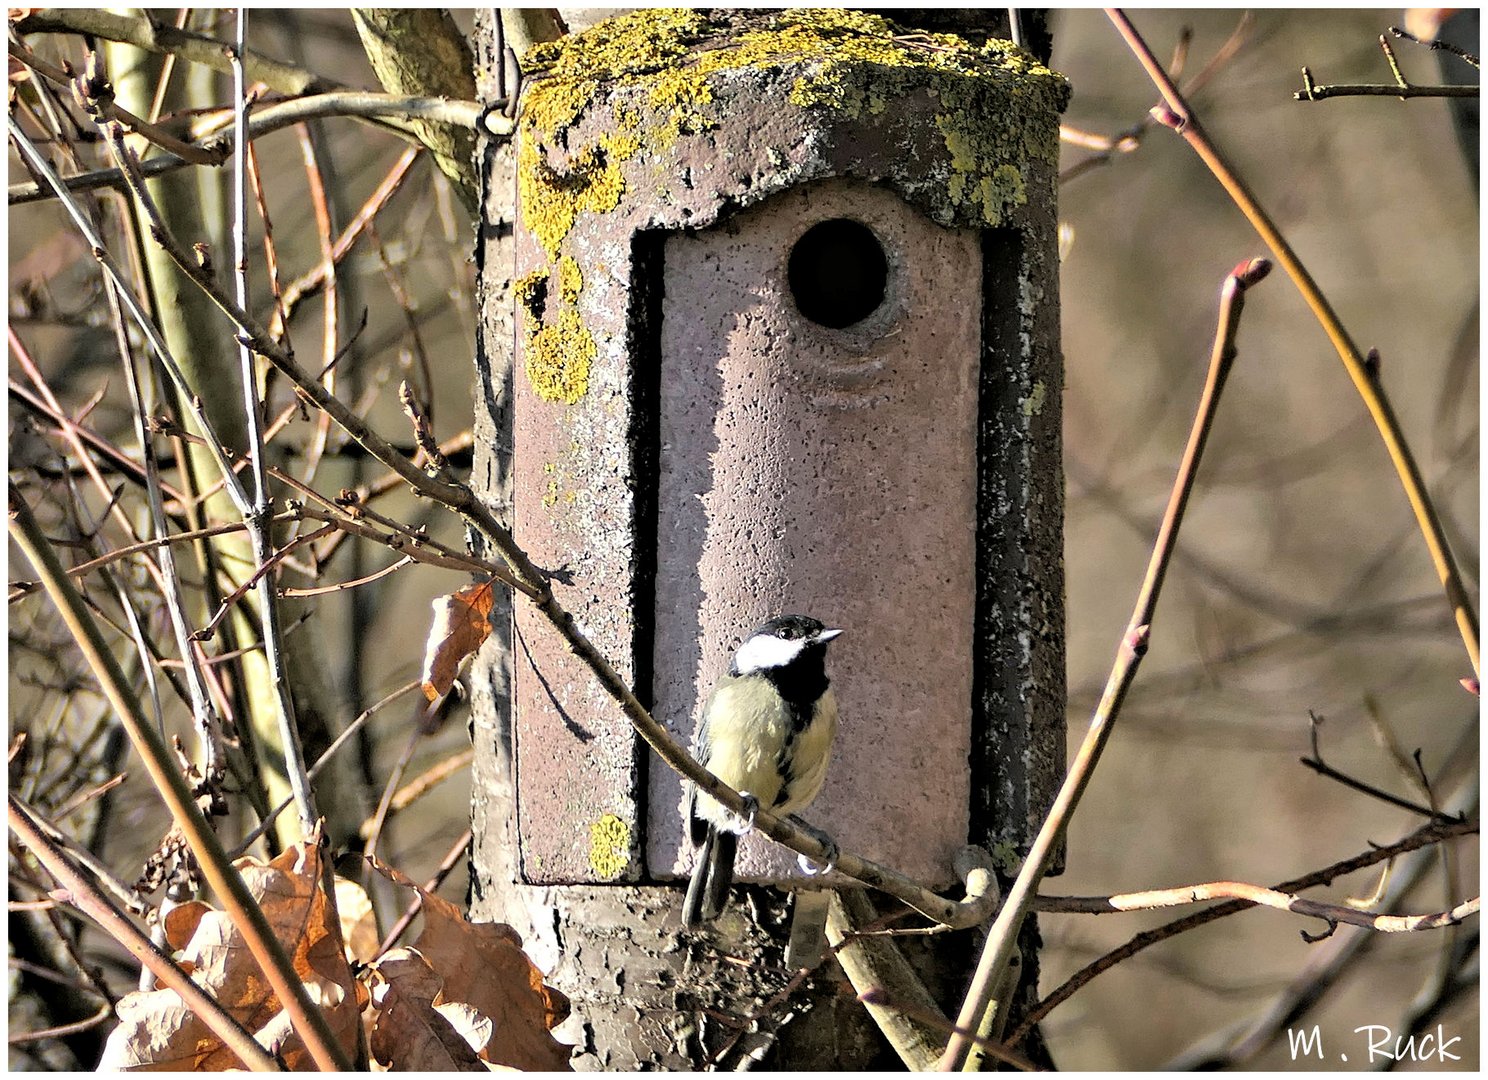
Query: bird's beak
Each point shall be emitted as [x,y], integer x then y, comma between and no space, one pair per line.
[826,635]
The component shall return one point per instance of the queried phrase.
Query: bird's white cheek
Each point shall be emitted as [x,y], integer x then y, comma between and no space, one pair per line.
[766,651]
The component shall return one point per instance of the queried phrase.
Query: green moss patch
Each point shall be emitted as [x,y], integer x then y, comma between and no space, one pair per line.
[995,109]
[856,63]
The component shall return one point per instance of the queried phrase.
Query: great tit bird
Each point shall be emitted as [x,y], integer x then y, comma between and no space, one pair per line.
[766,732]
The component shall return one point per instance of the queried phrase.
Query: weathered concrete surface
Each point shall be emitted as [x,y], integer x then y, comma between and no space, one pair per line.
[699,129]
[830,472]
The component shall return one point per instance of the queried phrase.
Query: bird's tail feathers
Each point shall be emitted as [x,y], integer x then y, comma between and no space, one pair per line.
[707,892]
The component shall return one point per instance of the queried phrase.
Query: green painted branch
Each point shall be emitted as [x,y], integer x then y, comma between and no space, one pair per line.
[159,764]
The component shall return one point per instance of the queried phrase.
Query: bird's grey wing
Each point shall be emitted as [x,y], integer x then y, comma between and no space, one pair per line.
[697,828]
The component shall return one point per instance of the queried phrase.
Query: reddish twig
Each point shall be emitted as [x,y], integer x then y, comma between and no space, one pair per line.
[311,283]
[1177,114]
[446,866]
[998,948]
[331,308]
[1130,139]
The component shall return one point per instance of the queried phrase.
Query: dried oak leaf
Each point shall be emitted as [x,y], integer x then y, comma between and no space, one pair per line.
[156,1031]
[358,921]
[408,1031]
[482,965]
[462,621]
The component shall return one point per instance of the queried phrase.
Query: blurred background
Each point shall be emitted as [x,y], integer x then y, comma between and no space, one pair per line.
[1301,583]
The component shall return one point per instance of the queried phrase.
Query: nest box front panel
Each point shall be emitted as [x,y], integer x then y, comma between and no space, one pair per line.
[817,429]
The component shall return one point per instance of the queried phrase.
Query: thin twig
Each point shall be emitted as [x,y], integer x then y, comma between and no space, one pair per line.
[1130,139]
[260,574]
[147,326]
[331,309]
[415,789]
[17,1038]
[117,925]
[314,280]
[203,712]
[271,250]
[346,586]
[1322,768]
[264,555]
[102,877]
[325,759]
[1333,914]
[358,103]
[446,866]
[1180,116]
[95,96]
[142,31]
[1429,834]
[1001,939]
[1444,46]
[1401,88]
[1325,968]
[228,884]
[116,460]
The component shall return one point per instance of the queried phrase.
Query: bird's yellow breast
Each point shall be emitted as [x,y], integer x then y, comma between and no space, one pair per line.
[749,727]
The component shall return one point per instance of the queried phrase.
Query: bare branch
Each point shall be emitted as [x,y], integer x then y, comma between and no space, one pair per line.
[1427,835]
[1177,114]
[1001,939]
[1401,88]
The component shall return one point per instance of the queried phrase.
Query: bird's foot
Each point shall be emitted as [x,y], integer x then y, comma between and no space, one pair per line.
[811,866]
[751,811]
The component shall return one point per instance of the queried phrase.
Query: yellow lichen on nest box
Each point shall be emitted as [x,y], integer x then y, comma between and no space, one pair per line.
[570,279]
[609,847]
[664,74]
[560,353]
[559,356]
[995,103]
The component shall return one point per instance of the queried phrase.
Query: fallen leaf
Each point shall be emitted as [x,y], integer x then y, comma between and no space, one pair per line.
[157,1031]
[462,621]
[482,965]
[409,1031]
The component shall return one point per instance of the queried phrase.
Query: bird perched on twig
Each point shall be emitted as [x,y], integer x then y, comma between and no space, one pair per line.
[767,732]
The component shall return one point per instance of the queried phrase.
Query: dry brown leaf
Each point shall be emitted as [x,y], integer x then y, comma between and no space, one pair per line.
[462,621]
[156,1031]
[358,921]
[409,1032]
[482,965]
